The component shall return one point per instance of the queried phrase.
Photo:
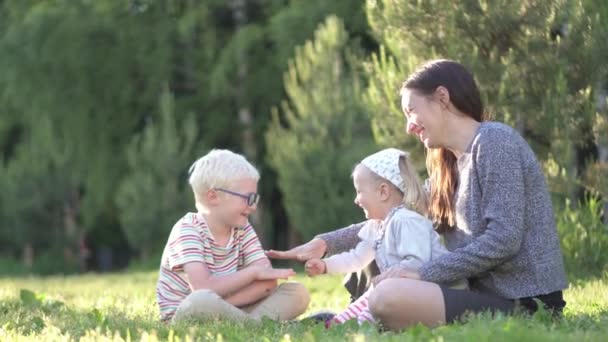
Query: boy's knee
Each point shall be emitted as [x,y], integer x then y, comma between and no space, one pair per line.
[298,293]
[203,296]
[198,302]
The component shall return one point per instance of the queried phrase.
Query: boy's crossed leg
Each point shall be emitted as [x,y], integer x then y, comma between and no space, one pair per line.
[288,300]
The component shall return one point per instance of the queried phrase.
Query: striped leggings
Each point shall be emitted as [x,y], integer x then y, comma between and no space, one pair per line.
[357,309]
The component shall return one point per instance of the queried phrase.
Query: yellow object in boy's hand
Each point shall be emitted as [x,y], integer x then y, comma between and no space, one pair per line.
[314,267]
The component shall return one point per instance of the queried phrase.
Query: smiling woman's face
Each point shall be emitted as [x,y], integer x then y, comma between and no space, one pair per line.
[424,118]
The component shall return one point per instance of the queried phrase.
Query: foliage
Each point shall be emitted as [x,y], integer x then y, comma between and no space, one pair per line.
[539,67]
[39,191]
[96,71]
[385,77]
[154,193]
[81,79]
[71,73]
[323,132]
[584,237]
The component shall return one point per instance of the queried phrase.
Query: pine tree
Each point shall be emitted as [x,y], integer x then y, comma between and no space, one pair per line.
[91,69]
[95,68]
[537,64]
[40,193]
[154,193]
[320,133]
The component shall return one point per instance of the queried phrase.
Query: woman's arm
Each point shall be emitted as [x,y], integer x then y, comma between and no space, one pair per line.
[501,180]
[343,239]
[338,241]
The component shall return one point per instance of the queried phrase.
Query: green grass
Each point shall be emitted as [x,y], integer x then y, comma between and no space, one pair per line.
[122,307]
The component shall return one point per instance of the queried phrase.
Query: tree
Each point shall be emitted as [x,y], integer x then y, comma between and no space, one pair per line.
[95,69]
[154,193]
[83,70]
[321,132]
[537,65]
[40,191]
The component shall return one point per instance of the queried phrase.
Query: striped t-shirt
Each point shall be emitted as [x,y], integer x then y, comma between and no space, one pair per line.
[191,241]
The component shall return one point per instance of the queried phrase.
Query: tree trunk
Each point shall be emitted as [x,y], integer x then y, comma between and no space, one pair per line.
[601,138]
[573,176]
[294,237]
[144,254]
[28,255]
[71,207]
[245,117]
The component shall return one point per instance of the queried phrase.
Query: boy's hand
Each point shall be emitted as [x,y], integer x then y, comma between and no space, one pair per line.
[268,273]
[315,267]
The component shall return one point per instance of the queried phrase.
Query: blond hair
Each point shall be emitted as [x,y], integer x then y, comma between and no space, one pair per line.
[415,198]
[218,169]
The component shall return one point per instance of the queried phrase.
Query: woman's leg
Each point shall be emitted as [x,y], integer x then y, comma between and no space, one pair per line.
[206,304]
[398,303]
[288,301]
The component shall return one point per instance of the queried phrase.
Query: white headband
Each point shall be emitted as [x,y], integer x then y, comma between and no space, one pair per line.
[386,165]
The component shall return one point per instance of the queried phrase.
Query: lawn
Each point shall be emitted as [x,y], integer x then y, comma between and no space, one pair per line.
[119,307]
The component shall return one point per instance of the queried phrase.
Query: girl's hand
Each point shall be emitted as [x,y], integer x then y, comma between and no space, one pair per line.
[396,271]
[314,249]
[314,267]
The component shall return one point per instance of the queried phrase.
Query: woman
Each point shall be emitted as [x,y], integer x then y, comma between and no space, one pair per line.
[488,198]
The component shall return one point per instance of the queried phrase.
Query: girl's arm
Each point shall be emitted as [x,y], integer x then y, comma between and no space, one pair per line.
[356,258]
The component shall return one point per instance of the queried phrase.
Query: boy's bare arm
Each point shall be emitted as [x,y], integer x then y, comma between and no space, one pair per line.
[200,278]
[255,291]
[252,293]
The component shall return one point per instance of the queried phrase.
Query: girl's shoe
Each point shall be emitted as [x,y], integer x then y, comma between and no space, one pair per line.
[320,317]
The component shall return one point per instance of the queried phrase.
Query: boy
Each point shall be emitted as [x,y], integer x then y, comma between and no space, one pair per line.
[213,263]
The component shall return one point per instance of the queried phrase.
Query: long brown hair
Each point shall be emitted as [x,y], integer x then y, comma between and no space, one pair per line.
[441,162]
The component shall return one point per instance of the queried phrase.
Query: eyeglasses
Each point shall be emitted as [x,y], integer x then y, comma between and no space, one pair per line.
[252,198]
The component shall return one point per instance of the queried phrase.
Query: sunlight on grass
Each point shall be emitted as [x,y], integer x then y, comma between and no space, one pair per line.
[121,307]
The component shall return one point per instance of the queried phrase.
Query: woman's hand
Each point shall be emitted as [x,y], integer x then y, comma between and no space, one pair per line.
[396,271]
[314,249]
[314,267]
